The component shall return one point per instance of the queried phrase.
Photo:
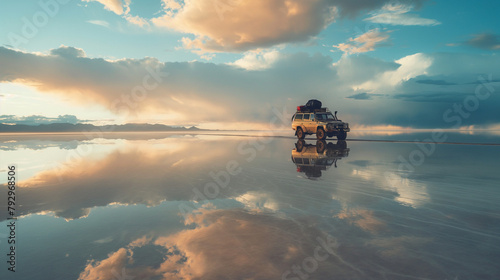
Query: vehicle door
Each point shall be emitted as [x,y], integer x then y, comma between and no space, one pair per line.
[308,124]
[298,120]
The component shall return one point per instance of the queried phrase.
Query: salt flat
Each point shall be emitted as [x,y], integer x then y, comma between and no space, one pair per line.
[241,206]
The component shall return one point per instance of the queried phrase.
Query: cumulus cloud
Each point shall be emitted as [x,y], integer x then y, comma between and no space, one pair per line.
[410,67]
[360,68]
[365,42]
[242,25]
[398,14]
[67,52]
[238,25]
[487,41]
[257,60]
[107,268]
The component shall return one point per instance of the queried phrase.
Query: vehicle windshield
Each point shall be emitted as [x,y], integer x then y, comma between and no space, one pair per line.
[325,116]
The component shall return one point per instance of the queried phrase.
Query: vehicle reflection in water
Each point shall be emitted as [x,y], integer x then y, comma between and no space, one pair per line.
[312,159]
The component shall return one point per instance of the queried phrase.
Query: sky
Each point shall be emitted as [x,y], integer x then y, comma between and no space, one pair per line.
[245,63]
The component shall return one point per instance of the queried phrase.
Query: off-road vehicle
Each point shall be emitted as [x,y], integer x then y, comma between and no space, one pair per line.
[313,119]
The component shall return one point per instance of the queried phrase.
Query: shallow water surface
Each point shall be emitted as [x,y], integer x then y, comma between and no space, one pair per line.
[146,206]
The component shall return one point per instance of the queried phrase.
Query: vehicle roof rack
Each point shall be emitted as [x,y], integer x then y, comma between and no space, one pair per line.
[321,110]
[304,109]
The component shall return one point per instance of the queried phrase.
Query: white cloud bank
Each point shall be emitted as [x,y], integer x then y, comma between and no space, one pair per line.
[195,92]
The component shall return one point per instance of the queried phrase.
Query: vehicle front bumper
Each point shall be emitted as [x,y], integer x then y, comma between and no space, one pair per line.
[340,129]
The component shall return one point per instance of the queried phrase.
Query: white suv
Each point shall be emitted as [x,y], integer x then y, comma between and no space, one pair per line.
[320,122]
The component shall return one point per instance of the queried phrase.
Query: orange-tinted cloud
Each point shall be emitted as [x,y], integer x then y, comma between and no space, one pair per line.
[231,244]
[135,174]
[363,218]
[194,92]
[239,25]
[235,244]
[107,268]
[365,42]
[191,92]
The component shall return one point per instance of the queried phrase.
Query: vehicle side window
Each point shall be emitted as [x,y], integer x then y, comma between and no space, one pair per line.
[298,116]
[306,116]
[312,117]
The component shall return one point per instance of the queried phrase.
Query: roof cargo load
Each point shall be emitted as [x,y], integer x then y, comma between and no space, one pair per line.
[314,104]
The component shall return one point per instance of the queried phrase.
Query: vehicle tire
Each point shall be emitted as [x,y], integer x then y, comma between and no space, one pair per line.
[320,134]
[299,145]
[341,144]
[342,135]
[320,146]
[300,133]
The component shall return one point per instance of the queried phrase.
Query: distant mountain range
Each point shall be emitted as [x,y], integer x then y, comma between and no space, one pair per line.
[68,127]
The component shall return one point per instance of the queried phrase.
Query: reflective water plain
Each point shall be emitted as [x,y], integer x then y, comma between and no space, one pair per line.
[168,206]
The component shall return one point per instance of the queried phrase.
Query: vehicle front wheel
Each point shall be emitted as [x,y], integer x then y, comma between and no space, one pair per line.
[341,144]
[342,135]
[300,133]
[320,134]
